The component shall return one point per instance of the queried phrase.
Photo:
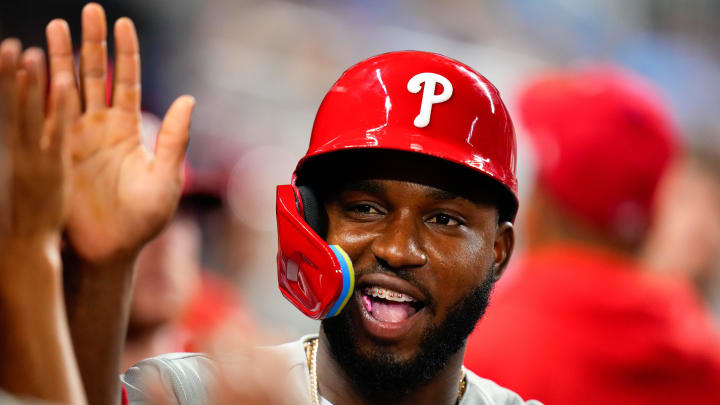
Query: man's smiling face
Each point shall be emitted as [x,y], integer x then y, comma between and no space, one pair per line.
[426,243]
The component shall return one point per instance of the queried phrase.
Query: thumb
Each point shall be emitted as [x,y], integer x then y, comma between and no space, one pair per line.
[174,134]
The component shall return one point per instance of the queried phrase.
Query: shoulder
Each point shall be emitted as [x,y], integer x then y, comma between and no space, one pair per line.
[188,375]
[481,391]
[292,352]
[185,375]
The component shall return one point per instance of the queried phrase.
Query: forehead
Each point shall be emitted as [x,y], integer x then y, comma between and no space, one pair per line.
[377,170]
[387,187]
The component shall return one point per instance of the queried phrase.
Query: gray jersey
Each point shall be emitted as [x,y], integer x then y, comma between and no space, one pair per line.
[187,376]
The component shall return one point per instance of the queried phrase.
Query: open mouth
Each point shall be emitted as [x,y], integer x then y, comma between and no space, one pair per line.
[386,305]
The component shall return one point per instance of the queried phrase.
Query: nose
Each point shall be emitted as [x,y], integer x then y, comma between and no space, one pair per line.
[399,245]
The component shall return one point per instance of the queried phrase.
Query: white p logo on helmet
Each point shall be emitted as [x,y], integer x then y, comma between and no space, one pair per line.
[429,97]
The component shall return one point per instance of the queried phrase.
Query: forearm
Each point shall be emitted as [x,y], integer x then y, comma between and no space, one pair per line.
[98,304]
[35,342]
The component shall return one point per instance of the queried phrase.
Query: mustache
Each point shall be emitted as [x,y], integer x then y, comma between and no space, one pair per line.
[408,275]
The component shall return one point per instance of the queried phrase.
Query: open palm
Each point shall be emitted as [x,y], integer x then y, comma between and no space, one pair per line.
[122,195]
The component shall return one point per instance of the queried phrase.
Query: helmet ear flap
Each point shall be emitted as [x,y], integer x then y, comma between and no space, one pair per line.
[315,277]
[312,210]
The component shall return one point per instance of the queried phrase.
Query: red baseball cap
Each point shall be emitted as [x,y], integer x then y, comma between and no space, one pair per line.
[603,139]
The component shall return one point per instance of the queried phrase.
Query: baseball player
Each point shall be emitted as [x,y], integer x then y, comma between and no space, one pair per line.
[394,227]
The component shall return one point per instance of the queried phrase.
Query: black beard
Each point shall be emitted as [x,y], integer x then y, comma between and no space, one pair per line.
[381,378]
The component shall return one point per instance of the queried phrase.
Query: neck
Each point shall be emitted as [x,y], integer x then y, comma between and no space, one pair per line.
[547,223]
[335,385]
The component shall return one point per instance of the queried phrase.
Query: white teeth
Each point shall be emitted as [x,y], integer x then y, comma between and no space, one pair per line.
[389,295]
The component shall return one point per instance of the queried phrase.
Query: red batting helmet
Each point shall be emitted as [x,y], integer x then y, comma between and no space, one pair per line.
[408,101]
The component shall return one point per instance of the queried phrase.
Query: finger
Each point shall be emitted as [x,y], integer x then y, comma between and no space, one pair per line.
[34,61]
[93,57]
[10,48]
[173,137]
[33,91]
[126,83]
[58,121]
[60,54]
[21,83]
[42,72]
[9,53]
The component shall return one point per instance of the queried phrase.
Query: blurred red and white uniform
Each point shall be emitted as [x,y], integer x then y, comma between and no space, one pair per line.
[580,320]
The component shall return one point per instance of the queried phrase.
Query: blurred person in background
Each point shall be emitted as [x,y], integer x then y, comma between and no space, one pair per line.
[688,220]
[582,320]
[178,305]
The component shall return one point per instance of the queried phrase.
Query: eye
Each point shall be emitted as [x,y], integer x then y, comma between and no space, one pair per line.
[444,219]
[364,209]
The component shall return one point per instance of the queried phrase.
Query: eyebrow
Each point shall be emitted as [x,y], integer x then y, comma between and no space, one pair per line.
[442,195]
[375,187]
[364,186]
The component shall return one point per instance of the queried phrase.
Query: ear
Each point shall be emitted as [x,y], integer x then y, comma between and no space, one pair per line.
[502,248]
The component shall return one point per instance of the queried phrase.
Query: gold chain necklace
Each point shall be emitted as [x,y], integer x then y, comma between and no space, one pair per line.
[311,349]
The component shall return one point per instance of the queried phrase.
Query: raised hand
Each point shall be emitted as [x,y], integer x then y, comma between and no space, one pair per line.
[37,355]
[122,195]
[35,162]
